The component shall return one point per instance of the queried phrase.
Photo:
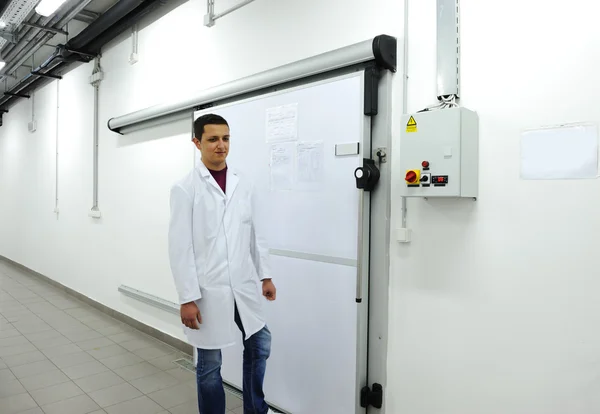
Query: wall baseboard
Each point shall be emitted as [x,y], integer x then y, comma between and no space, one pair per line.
[148,330]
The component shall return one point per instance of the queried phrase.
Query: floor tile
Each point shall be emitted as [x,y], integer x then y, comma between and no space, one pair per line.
[154,352]
[99,381]
[85,370]
[107,351]
[16,350]
[166,362]
[27,327]
[51,343]
[22,359]
[66,361]
[232,401]
[182,375]
[110,329]
[85,313]
[174,396]
[73,328]
[126,336]
[56,393]
[9,333]
[33,299]
[36,410]
[16,404]
[11,305]
[190,407]
[47,379]
[6,375]
[41,336]
[90,344]
[14,340]
[22,316]
[85,335]
[34,368]
[9,388]
[138,405]
[139,343]
[42,308]
[22,293]
[153,383]
[115,395]
[61,350]
[65,304]
[137,371]
[81,404]
[121,360]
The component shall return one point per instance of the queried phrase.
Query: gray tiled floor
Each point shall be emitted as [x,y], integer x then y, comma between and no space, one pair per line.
[59,355]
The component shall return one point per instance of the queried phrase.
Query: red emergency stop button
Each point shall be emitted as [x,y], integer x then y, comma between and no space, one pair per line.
[411,177]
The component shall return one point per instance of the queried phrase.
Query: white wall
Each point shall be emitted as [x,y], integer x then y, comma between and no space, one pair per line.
[501,321]
[503,317]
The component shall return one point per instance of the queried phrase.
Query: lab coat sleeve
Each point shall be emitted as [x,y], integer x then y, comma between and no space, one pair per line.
[259,247]
[181,248]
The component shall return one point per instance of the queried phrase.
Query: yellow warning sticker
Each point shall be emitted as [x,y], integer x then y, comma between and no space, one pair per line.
[412,125]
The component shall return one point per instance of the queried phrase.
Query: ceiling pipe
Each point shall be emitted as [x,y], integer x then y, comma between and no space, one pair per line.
[28,49]
[64,55]
[28,34]
[129,21]
[104,22]
[86,16]
[3,5]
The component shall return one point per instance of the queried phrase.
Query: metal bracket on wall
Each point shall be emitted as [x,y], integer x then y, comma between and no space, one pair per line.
[211,17]
[46,75]
[9,35]
[45,28]
[17,95]
[448,48]
[6,75]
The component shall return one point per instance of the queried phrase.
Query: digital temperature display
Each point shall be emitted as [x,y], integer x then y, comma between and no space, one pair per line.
[439,179]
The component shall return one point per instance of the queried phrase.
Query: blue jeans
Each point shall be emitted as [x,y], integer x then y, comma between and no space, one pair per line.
[211,395]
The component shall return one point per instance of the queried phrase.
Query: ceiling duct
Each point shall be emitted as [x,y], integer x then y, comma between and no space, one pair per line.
[31,39]
[83,47]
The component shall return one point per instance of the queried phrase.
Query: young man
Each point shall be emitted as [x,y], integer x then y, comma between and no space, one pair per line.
[217,257]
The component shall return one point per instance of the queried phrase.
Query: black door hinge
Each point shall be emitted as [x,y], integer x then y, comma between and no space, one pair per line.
[371,97]
[372,397]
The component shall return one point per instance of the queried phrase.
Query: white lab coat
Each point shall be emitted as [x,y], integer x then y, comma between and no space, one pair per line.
[217,256]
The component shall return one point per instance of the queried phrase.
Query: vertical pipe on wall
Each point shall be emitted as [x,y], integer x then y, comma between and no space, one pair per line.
[96,93]
[448,48]
[95,79]
[133,58]
[33,126]
[56,210]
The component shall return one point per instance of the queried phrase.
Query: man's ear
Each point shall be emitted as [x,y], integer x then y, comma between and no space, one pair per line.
[196,142]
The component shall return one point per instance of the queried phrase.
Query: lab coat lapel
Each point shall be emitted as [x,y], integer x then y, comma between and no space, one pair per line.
[203,170]
[232,182]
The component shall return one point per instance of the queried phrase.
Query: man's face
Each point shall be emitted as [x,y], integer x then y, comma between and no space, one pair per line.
[214,145]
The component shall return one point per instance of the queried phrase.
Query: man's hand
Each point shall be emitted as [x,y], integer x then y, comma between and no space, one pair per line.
[190,315]
[269,290]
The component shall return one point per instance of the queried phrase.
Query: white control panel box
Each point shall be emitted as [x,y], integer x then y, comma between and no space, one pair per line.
[439,153]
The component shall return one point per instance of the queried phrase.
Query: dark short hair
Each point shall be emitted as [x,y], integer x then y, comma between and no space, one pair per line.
[208,119]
